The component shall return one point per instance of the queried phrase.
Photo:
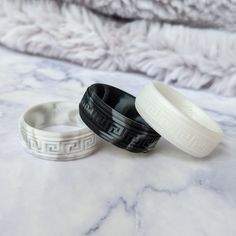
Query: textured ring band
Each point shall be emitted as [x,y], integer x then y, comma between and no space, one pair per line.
[66,145]
[178,120]
[111,114]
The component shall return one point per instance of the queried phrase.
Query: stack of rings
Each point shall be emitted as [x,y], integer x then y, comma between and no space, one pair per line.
[117,117]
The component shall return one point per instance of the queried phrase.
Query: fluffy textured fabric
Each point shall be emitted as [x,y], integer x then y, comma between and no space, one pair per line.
[201,13]
[193,58]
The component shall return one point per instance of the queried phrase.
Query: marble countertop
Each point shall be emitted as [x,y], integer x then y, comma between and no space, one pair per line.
[112,192]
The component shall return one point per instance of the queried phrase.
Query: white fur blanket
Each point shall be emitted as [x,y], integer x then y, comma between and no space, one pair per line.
[197,51]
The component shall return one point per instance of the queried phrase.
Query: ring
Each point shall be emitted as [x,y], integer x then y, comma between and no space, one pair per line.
[76,142]
[110,113]
[178,120]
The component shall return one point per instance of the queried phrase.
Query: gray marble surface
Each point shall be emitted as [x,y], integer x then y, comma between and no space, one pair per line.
[112,192]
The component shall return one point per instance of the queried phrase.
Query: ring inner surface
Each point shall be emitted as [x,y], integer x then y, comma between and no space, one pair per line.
[119,101]
[188,108]
[54,117]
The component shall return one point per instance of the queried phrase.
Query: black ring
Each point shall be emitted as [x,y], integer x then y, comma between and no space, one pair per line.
[111,114]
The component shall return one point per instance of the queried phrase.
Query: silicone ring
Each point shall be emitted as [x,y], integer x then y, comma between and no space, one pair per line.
[111,114]
[68,145]
[178,120]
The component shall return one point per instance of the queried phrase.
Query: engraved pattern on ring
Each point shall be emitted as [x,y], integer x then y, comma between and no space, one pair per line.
[115,130]
[178,123]
[67,145]
[41,145]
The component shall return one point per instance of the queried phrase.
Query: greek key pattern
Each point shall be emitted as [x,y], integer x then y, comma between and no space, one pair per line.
[59,148]
[117,131]
[190,137]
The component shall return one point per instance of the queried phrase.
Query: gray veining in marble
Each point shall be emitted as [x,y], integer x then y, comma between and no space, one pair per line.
[112,192]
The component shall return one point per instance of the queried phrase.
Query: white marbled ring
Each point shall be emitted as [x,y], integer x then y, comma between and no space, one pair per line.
[54,145]
[178,120]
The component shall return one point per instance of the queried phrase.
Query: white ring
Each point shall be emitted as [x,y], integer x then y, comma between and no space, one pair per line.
[178,120]
[69,145]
